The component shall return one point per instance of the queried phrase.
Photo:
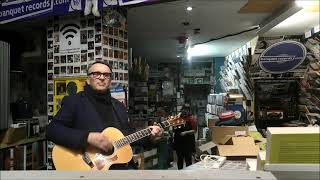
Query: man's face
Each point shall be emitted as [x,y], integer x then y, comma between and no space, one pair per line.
[97,79]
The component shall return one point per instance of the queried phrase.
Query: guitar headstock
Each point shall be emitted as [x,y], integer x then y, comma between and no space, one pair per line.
[175,120]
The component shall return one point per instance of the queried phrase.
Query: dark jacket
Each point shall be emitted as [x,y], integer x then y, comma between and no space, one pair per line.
[77,117]
[184,143]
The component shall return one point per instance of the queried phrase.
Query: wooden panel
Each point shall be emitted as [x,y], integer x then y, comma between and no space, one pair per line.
[263,6]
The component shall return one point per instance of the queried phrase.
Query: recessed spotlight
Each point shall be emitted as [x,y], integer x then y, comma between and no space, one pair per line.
[178,56]
[189,8]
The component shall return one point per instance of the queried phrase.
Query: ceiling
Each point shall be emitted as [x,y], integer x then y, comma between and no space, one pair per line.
[298,23]
[154,29]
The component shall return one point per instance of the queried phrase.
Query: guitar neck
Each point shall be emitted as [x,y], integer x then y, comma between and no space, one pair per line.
[137,135]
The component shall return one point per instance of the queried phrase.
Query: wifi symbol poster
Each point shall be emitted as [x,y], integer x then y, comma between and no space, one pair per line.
[69,33]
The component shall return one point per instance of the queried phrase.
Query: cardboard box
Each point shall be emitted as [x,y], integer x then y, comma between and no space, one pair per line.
[238,148]
[261,160]
[235,99]
[212,122]
[293,145]
[218,133]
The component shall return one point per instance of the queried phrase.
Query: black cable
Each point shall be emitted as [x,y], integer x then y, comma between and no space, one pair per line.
[229,35]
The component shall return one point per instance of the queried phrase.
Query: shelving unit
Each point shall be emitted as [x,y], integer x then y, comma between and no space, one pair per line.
[26,154]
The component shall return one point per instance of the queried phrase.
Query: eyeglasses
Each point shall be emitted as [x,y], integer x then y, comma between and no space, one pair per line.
[100,74]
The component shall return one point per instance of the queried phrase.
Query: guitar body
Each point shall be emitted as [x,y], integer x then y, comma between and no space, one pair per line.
[68,159]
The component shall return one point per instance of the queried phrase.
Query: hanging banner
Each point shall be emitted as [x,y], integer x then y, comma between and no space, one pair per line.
[13,10]
[124,2]
[282,57]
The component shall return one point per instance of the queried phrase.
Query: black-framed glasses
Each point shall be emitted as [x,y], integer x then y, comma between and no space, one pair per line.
[98,74]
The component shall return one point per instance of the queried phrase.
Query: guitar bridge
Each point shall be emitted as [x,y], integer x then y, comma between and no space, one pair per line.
[87,160]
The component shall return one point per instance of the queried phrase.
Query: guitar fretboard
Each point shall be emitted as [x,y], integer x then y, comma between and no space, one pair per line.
[137,136]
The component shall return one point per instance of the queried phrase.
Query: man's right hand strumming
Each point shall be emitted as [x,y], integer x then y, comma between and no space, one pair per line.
[100,141]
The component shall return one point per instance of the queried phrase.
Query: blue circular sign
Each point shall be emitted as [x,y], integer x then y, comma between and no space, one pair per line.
[282,57]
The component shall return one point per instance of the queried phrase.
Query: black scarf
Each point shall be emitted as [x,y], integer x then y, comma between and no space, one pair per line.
[102,103]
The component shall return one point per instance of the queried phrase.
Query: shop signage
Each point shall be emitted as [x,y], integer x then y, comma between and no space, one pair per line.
[13,10]
[282,57]
[69,37]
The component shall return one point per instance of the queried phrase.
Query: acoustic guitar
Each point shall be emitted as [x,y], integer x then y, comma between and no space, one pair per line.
[94,159]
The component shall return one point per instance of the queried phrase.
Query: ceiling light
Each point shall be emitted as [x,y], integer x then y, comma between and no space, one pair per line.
[306,3]
[178,56]
[189,8]
[199,50]
[189,54]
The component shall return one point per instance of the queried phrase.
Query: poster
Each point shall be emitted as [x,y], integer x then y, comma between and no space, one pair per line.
[69,35]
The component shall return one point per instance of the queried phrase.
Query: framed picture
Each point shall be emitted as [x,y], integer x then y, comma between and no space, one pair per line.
[50,87]
[63,70]
[115,65]
[121,44]
[84,69]
[115,43]
[70,58]
[116,54]
[111,30]
[50,44]
[63,59]
[56,37]
[50,76]
[104,30]
[90,34]
[105,52]
[70,70]
[50,55]
[61,88]
[90,45]
[121,33]
[98,51]
[105,40]
[56,48]
[98,38]
[111,63]
[50,66]
[83,36]
[84,57]
[110,53]
[121,65]
[125,45]
[111,42]
[56,70]
[98,27]
[91,56]
[76,70]
[120,54]
[76,58]
[115,31]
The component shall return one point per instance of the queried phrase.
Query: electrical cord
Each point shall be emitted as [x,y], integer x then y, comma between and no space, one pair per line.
[228,35]
[211,161]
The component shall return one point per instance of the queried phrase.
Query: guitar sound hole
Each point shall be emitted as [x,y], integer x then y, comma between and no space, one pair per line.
[108,153]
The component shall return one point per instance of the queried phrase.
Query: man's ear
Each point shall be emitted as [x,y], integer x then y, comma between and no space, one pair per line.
[88,82]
